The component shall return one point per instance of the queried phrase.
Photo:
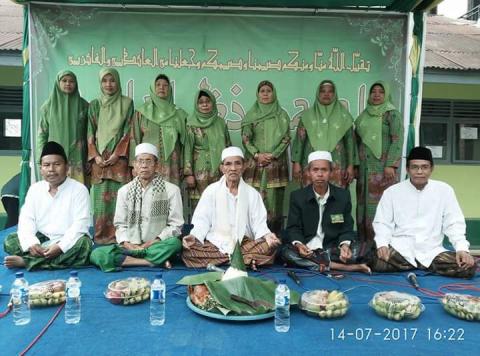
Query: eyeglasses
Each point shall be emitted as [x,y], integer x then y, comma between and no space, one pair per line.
[423,167]
[146,162]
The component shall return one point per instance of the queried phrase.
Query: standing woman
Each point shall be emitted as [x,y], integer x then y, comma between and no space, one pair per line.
[327,126]
[162,124]
[109,119]
[206,137]
[63,119]
[379,130]
[265,136]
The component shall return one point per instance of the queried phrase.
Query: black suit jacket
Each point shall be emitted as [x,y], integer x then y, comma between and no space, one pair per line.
[303,217]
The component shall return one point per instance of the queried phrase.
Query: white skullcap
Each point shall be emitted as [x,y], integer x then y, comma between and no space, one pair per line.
[146,148]
[231,151]
[325,155]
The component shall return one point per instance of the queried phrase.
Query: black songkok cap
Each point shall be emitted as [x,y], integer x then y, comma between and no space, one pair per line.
[53,148]
[420,153]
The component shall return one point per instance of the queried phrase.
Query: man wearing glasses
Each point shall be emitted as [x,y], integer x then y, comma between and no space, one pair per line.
[411,220]
[148,218]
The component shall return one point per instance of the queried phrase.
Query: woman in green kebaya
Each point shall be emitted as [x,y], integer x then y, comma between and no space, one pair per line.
[265,137]
[206,136]
[379,130]
[162,124]
[326,126]
[109,119]
[63,119]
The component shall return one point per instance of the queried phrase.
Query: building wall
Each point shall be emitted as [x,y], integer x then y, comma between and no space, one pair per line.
[463,178]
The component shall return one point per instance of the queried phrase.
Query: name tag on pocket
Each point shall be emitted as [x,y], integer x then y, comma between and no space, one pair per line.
[337,218]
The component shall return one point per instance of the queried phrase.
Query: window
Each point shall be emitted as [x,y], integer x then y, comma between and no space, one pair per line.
[451,130]
[10,119]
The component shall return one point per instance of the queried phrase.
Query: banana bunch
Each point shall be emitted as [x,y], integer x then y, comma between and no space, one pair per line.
[397,306]
[324,304]
[46,293]
[462,306]
[128,291]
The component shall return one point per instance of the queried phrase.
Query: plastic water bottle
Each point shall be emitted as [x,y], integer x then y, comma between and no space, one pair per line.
[282,307]
[73,299]
[19,294]
[157,301]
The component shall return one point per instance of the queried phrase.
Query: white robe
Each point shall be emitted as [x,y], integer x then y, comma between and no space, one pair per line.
[63,218]
[205,218]
[414,221]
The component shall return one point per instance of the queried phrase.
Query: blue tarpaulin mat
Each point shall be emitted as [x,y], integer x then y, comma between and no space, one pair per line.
[125,330]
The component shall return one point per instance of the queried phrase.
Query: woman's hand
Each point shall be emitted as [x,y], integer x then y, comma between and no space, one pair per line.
[112,160]
[297,171]
[190,181]
[389,175]
[264,159]
[99,161]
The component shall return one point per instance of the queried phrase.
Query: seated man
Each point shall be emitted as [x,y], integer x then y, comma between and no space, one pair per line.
[148,218]
[229,211]
[53,224]
[411,220]
[319,232]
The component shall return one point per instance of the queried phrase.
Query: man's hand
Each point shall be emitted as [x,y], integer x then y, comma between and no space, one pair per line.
[128,246]
[264,159]
[272,240]
[36,251]
[150,243]
[464,259]
[345,253]
[383,253]
[303,250]
[52,252]
[188,241]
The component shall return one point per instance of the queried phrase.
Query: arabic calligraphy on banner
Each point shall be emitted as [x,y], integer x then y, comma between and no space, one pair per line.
[336,60]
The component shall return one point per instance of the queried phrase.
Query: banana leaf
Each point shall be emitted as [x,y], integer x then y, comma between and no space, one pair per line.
[249,288]
[200,278]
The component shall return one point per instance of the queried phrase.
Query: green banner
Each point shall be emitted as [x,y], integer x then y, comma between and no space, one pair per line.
[227,53]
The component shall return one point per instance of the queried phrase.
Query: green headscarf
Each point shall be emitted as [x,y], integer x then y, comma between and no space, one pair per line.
[64,114]
[113,111]
[163,112]
[326,124]
[213,125]
[275,119]
[369,123]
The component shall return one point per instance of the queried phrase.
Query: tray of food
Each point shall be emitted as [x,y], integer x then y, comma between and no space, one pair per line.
[46,293]
[132,290]
[463,306]
[394,305]
[324,304]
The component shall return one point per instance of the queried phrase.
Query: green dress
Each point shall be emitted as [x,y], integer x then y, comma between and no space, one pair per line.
[162,124]
[206,136]
[63,119]
[376,121]
[109,119]
[326,128]
[266,129]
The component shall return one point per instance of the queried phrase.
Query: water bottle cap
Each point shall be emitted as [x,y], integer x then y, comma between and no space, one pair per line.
[73,273]
[158,276]
[283,281]
[19,275]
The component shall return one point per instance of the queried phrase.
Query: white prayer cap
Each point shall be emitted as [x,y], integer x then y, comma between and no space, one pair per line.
[146,148]
[325,155]
[231,151]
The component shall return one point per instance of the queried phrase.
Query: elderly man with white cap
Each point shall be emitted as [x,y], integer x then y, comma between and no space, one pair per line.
[229,211]
[319,232]
[148,218]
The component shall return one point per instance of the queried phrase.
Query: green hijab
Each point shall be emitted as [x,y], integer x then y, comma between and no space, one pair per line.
[326,124]
[213,125]
[64,113]
[369,123]
[275,119]
[163,112]
[113,111]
